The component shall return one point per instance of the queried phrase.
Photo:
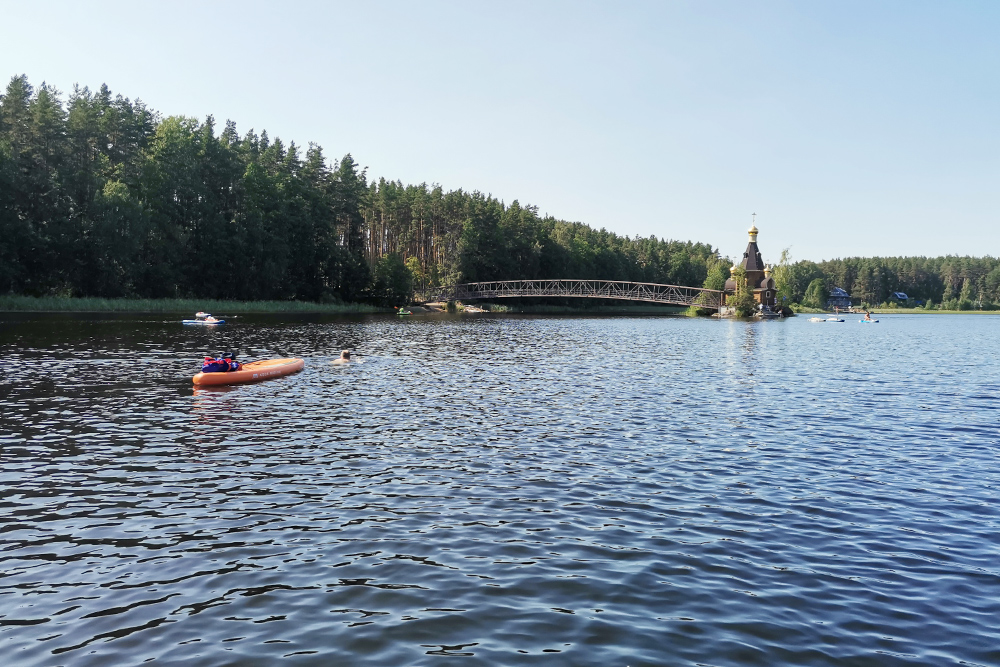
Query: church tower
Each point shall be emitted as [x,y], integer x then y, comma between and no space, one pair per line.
[758,274]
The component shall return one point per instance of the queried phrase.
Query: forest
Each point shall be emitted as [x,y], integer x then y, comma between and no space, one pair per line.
[952,283]
[101,196]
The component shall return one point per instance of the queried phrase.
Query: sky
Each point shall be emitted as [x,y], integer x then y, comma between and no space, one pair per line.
[851,128]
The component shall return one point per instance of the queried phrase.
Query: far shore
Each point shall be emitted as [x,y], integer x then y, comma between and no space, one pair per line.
[921,311]
[897,311]
[60,304]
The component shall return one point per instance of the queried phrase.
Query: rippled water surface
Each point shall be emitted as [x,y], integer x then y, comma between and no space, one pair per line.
[483,490]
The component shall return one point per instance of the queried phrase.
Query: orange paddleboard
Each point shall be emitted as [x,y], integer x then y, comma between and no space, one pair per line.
[253,372]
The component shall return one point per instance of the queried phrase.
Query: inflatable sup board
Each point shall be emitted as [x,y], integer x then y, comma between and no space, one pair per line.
[252,372]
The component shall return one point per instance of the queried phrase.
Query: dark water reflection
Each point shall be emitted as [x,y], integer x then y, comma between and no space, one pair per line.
[616,491]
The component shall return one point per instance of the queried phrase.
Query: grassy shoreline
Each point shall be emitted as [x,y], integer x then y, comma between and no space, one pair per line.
[58,304]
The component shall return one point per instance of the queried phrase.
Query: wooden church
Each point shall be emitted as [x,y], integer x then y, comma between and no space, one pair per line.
[758,273]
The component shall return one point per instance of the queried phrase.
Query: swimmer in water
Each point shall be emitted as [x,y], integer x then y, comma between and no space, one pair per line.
[345,358]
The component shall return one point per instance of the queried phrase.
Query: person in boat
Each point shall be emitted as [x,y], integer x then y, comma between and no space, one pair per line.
[868,316]
[345,357]
[223,364]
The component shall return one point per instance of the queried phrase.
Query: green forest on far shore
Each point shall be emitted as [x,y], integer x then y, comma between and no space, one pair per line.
[948,283]
[102,197]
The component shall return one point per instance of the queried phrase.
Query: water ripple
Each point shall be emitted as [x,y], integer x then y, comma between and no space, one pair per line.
[639,491]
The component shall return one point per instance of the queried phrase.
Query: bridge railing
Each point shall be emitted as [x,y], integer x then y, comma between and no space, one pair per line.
[677,295]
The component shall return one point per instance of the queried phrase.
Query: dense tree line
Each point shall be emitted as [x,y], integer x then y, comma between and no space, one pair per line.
[459,236]
[101,196]
[952,282]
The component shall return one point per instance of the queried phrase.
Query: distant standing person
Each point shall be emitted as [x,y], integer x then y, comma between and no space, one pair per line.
[345,358]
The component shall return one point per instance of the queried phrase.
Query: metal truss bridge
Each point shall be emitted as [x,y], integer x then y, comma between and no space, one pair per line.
[674,295]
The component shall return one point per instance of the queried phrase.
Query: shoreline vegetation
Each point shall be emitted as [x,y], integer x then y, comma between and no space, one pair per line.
[62,304]
[878,310]
[921,311]
[107,201]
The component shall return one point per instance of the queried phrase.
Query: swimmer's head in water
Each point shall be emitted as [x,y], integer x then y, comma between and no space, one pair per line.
[345,354]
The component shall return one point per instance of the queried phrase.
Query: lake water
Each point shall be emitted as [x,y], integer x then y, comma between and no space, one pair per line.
[486,490]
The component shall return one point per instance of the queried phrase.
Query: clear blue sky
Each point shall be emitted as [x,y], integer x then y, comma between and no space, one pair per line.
[850,128]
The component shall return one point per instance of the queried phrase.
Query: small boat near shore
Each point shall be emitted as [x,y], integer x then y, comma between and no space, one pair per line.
[253,371]
[203,318]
